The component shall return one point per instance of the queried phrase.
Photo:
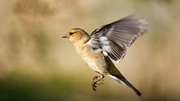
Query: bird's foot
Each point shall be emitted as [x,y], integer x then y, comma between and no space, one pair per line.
[97,80]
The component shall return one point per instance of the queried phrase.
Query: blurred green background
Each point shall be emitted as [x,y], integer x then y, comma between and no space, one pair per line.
[36,64]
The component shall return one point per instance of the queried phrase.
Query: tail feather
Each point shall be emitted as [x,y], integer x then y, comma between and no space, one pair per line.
[121,79]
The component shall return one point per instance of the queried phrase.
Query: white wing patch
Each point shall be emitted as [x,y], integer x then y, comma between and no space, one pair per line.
[105,43]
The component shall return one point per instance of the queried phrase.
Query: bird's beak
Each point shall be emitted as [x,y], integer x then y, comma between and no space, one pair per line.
[65,36]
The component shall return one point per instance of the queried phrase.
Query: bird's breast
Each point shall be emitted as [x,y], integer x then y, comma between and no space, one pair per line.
[95,60]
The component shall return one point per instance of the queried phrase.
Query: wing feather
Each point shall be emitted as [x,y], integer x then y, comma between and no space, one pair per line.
[114,38]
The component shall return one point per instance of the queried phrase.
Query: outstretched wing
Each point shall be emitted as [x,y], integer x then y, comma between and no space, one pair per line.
[114,38]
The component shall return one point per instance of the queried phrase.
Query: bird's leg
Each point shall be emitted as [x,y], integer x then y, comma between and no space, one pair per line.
[96,80]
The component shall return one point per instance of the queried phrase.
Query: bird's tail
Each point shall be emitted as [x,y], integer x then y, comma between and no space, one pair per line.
[121,79]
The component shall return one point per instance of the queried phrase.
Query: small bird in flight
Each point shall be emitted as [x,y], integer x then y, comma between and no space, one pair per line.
[106,43]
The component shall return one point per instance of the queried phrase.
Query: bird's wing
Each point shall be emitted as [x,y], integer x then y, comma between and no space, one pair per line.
[114,38]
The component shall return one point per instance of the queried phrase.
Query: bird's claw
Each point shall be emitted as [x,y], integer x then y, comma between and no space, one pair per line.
[97,80]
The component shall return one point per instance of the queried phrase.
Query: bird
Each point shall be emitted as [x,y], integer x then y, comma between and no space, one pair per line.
[107,45]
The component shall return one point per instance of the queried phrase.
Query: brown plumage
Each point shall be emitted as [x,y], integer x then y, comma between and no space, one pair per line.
[105,43]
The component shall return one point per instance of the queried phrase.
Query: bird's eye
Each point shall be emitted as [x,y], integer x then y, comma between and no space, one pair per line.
[71,33]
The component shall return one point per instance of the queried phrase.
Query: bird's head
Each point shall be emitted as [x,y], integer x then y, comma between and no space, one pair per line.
[76,35]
